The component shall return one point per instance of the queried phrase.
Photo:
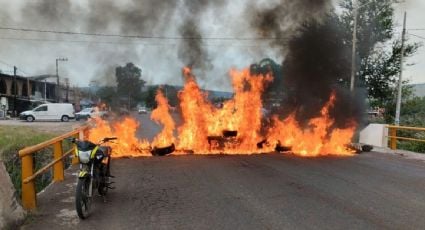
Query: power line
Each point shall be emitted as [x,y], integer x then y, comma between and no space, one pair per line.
[138,36]
[414,35]
[117,42]
[12,66]
[417,29]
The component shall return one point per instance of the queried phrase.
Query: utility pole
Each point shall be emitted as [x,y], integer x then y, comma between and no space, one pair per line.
[353,54]
[14,90]
[57,77]
[57,82]
[67,89]
[398,106]
[45,91]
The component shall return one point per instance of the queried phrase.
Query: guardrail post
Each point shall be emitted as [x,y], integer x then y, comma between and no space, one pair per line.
[393,139]
[58,174]
[28,190]
[74,147]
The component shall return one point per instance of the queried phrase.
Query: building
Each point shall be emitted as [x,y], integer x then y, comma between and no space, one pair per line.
[18,93]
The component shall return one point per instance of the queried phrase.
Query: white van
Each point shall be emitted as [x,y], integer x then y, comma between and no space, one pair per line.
[53,111]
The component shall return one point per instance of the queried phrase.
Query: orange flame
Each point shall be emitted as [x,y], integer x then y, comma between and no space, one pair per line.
[161,115]
[203,124]
[317,139]
[194,108]
[127,143]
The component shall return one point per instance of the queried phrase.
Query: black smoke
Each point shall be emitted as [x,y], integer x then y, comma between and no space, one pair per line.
[191,50]
[316,64]
[316,61]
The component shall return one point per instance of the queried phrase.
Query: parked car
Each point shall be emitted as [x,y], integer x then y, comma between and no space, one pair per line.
[53,111]
[143,110]
[90,112]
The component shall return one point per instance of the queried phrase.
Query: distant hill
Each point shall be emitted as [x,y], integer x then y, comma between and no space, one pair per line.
[211,93]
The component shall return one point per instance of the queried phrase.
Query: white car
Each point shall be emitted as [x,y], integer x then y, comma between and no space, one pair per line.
[90,112]
[142,110]
[53,111]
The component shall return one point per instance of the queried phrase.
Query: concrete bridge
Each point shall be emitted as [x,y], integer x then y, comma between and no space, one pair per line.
[372,190]
[382,189]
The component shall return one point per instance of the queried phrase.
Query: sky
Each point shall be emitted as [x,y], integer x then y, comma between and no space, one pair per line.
[95,58]
[415,20]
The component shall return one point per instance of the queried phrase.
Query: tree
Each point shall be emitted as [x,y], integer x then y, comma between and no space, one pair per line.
[378,67]
[150,97]
[108,95]
[129,84]
[412,114]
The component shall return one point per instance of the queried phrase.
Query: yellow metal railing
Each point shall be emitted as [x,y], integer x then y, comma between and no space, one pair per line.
[392,130]
[29,199]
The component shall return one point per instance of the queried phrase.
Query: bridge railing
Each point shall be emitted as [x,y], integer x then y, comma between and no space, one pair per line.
[392,131]
[29,197]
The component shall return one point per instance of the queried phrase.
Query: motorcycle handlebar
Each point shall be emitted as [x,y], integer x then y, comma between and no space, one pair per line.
[106,139]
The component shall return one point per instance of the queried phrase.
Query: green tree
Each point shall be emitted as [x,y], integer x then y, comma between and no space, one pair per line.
[377,65]
[150,97]
[171,94]
[108,95]
[129,84]
[412,114]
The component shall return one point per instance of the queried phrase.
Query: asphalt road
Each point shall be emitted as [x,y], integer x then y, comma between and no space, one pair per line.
[274,191]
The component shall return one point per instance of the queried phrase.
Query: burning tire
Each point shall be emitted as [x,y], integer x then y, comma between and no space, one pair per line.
[230,133]
[163,151]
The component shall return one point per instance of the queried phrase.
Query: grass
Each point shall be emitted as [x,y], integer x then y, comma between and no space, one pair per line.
[14,138]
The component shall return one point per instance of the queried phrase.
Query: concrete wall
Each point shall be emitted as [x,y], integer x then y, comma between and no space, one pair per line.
[375,134]
[11,213]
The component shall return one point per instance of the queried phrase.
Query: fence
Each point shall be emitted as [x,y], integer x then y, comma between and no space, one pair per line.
[29,199]
[393,134]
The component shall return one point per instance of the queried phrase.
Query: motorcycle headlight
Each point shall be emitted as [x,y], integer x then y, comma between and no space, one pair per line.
[84,156]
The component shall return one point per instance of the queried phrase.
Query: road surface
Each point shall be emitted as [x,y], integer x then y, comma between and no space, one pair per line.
[274,191]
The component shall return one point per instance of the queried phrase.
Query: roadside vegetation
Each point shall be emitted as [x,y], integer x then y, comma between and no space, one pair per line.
[14,138]
[413,114]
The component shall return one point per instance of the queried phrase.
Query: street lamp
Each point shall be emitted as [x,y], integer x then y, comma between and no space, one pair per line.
[57,77]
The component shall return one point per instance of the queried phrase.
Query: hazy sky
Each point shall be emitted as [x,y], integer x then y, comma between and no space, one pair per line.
[415,20]
[95,58]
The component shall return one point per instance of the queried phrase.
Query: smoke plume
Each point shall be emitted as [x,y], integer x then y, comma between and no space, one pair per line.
[191,52]
[315,59]
[298,33]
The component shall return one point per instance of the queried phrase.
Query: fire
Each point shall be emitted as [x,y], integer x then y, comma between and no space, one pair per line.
[315,140]
[127,143]
[162,116]
[242,114]
[234,128]
[193,134]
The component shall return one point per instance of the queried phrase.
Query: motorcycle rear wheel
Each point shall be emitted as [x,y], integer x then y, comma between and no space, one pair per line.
[82,199]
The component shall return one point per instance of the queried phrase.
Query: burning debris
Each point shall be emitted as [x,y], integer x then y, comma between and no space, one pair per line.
[163,151]
[233,128]
[162,116]
[316,117]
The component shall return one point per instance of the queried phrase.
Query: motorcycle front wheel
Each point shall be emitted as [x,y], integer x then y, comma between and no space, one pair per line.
[82,199]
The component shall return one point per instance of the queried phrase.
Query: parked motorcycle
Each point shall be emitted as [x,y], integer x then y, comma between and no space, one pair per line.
[94,173]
